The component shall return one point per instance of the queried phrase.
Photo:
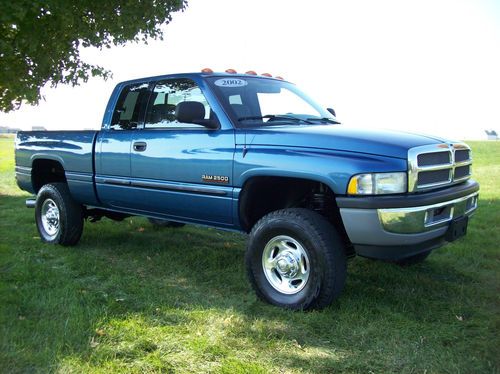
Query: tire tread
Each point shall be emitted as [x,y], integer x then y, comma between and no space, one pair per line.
[327,238]
[71,214]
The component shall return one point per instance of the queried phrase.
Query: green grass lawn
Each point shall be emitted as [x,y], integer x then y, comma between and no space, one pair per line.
[130,298]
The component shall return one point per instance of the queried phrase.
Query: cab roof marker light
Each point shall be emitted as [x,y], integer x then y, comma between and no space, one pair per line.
[251,72]
[207,71]
[279,77]
[266,75]
[231,71]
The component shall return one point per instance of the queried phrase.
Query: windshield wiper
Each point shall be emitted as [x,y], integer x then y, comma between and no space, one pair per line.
[325,119]
[276,117]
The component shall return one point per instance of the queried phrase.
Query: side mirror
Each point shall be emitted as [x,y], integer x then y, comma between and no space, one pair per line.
[331,111]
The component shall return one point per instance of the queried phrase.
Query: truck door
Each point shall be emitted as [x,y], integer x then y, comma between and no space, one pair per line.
[114,143]
[178,169]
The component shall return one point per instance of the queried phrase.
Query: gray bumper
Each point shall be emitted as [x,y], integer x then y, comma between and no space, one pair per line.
[408,226]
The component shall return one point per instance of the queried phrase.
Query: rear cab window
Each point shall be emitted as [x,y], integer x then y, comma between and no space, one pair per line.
[129,109]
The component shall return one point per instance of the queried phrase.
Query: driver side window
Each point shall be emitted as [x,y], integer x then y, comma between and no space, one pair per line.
[171,95]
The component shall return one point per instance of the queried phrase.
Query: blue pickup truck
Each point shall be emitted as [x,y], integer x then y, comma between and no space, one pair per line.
[254,154]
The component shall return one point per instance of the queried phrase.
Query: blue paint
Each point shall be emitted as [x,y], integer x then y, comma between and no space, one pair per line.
[165,179]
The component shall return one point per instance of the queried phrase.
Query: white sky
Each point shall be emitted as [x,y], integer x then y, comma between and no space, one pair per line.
[430,66]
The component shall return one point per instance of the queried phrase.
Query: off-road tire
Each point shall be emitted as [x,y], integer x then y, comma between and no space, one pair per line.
[325,251]
[70,223]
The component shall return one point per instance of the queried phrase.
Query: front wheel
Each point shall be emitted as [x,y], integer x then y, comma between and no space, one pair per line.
[59,218]
[295,259]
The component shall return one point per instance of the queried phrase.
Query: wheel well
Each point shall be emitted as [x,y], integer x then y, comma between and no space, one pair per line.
[263,195]
[46,171]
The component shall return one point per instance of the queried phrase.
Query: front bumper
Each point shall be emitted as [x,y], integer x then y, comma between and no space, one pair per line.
[395,227]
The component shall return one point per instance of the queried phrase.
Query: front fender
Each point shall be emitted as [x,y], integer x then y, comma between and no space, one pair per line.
[333,168]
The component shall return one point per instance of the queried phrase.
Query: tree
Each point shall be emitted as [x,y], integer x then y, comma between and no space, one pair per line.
[40,40]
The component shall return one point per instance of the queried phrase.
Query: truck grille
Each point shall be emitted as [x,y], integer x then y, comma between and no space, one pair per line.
[433,166]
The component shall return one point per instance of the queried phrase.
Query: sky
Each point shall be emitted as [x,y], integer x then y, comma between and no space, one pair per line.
[427,66]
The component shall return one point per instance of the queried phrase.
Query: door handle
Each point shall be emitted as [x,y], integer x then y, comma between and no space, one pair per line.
[140,146]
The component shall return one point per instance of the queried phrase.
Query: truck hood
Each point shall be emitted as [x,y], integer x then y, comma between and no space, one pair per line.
[339,137]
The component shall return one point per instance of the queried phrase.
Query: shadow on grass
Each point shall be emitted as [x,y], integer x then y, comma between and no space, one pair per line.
[130,294]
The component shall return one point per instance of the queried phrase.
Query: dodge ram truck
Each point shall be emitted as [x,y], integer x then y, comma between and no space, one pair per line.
[253,153]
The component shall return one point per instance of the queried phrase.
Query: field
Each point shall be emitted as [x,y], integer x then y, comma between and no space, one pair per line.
[133,299]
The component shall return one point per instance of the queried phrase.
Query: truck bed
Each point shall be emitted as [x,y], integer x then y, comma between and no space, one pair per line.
[73,151]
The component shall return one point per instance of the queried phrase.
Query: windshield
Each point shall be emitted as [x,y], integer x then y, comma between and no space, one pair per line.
[254,101]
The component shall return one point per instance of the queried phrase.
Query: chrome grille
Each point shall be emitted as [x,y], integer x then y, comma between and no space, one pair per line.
[462,155]
[462,172]
[432,166]
[433,176]
[435,158]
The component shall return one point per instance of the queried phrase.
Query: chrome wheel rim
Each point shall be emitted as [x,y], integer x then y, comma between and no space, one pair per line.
[286,264]
[50,217]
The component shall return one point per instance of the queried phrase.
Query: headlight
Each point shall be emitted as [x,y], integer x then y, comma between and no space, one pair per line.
[377,184]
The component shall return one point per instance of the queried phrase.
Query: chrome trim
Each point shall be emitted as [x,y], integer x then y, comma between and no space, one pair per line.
[463,163]
[30,203]
[23,169]
[414,169]
[285,264]
[434,167]
[436,184]
[85,177]
[166,186]
[50,218]
[206,190]
[456,180]
[423,218]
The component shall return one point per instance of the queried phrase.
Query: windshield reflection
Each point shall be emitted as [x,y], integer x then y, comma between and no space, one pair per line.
[258,101]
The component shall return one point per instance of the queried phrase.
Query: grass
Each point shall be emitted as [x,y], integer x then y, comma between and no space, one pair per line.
[132,299]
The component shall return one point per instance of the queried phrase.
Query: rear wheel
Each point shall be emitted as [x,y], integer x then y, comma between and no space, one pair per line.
[59,219]
[295,259]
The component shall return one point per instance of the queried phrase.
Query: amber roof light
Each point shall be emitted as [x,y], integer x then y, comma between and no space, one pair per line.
[207,71]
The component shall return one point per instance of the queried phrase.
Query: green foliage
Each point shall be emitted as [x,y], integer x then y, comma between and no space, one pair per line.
[40,40]
[131,298]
